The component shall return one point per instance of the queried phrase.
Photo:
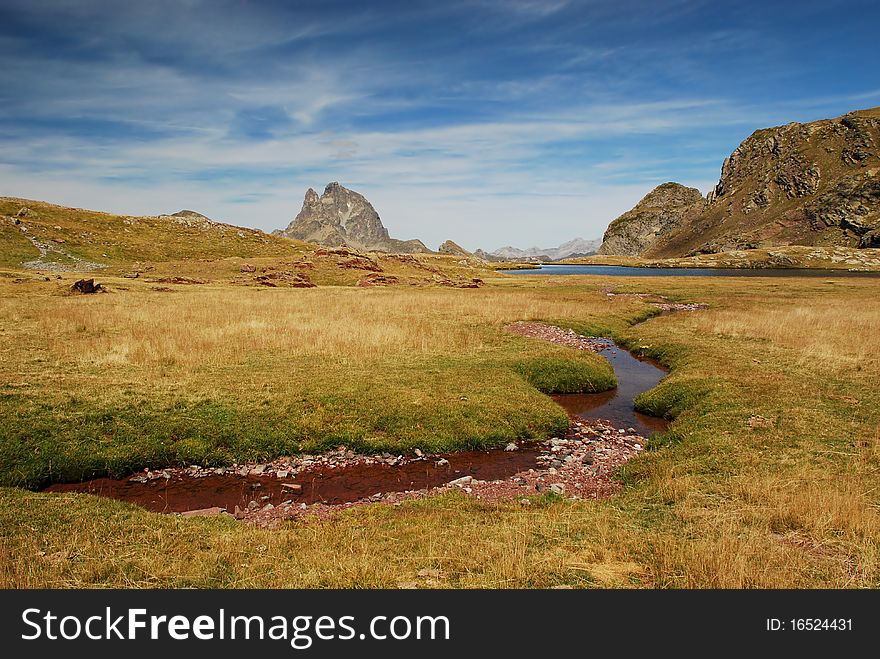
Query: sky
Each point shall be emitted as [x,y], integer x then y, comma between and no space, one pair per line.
[527,122]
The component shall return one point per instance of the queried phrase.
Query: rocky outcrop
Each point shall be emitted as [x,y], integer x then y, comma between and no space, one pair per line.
[343,218]
[663,209]
[453,249]
[190,219]
[814,184]
[853,205]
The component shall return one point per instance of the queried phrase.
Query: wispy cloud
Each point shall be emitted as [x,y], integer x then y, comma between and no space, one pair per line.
[487,122]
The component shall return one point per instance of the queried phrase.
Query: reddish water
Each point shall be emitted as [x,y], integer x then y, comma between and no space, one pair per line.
[324,485]
[634,375]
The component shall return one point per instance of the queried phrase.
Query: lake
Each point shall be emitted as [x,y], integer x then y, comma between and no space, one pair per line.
[628,271]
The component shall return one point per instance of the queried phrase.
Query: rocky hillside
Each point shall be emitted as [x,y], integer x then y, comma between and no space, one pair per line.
[42,236]
[41,242]
[343,218]
[814,184]
[659,212]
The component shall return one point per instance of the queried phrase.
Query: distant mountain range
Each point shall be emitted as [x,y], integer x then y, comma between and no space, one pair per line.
[572,248]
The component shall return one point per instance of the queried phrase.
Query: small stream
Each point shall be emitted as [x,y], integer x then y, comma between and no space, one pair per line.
[634,375]
[353,482]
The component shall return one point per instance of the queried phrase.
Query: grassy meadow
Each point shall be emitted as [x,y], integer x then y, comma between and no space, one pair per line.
[112,383]
[769,476]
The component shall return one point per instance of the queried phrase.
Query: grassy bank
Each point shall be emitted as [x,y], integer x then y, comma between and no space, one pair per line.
[769,477]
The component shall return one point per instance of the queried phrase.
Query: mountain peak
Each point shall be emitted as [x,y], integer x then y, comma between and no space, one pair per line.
[657,213]
[342,217]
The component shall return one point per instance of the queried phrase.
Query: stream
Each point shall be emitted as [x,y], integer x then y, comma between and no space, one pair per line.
[330,483]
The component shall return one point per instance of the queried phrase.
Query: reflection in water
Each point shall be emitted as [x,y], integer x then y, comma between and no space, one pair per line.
[633,377]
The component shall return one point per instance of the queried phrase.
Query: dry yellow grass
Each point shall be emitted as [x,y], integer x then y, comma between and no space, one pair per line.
[826,331]
[221,326]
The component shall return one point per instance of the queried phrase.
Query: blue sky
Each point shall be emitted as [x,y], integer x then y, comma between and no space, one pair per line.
[491,123]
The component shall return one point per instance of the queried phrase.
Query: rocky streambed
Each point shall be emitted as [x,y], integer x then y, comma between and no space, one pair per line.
[577,464]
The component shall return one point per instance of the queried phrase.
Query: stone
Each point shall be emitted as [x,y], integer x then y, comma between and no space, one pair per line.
[459,482]
[86,286]
[511,447]
[253,505]
[442,462]
[204,512]
[557,488]
[247,267]
[292,488]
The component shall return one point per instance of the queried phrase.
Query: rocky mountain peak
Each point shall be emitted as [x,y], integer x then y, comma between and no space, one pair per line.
[343,217]
[666,194]
[311,198]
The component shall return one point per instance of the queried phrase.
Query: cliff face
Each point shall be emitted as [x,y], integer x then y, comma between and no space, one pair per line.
[342,217]
[799,184]
[659,212]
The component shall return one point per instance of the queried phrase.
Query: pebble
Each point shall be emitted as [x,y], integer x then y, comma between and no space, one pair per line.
[203,512]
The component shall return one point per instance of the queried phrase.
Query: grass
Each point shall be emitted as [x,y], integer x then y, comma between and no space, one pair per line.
[769,476]
[214,374]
